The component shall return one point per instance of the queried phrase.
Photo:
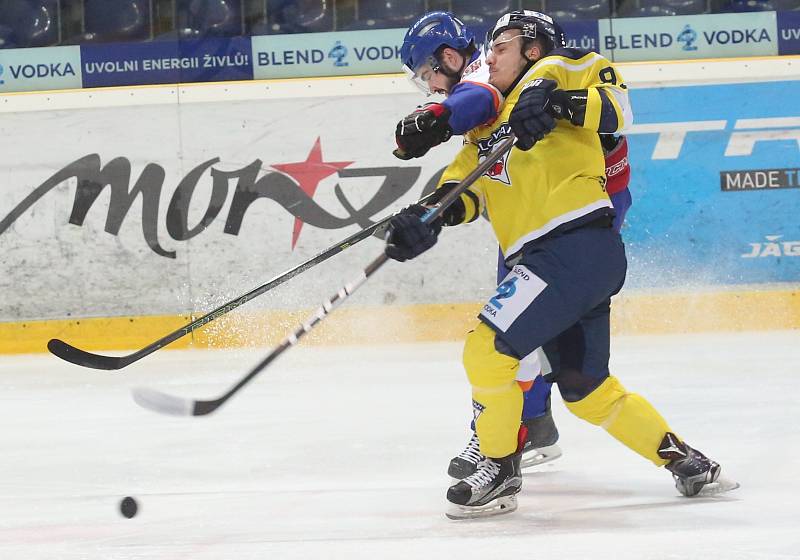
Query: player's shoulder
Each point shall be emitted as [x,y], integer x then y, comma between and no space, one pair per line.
[564,62]
[572,56]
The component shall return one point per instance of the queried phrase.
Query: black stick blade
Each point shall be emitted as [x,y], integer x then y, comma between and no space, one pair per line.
[163,403]
[80,357]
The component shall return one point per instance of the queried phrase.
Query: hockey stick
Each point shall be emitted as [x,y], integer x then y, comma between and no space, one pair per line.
[169,404]
[83,358]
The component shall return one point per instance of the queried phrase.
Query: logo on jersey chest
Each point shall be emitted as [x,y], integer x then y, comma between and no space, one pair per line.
[472,68]
[498,171]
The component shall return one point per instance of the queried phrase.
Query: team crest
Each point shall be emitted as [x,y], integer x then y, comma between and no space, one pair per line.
[498,171]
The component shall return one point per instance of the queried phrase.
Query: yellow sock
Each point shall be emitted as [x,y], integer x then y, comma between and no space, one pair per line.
[497,396]
[626,416]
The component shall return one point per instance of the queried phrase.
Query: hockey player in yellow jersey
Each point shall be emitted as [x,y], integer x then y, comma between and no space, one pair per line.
[550,212]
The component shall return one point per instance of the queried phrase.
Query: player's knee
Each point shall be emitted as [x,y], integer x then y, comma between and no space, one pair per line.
[598,406]
[485,361]
[575,385]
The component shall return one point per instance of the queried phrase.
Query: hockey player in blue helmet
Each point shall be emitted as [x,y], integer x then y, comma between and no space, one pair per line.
[440,56]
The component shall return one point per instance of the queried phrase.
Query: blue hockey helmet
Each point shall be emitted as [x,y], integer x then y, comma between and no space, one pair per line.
[426,36]
[531,25]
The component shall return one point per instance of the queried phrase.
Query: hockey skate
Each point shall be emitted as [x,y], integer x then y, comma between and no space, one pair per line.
[540,444]
[539,447]
[694,473]
[490,490]
[466,463]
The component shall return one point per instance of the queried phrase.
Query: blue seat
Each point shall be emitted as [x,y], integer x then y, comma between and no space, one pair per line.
[687,7]
[478,24]
[7,40]
[296,16]
[362,24]
[582,9]
[33,23]
[563,15]
[396,13]
[482,8]
[750,6]
[680,7]
[215,18]
[653,10]
[118,20]
[479,15]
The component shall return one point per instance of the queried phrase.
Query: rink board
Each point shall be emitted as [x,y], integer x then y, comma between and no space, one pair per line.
[144,206]
[632,314]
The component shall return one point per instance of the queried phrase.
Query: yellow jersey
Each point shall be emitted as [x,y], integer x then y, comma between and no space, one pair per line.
[559,183]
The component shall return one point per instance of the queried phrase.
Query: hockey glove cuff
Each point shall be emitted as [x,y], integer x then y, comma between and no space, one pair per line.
[569,104]
[422,130]
[530,119]
[456,213]
[409,236]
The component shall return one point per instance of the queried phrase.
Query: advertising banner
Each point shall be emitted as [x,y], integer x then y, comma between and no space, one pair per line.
[168,208]
[789,32]
[166,62]
[716,185]
[171,208]
[327,54]
[683,37]
[40,69]
[582,34]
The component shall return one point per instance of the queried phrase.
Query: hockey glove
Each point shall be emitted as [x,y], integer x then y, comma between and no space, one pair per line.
[422,130]
[569,104]
[409,236]
[530,118]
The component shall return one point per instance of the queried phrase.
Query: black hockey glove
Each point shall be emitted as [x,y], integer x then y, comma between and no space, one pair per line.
[569,104]
[530,118]
[422,130]
[409,236]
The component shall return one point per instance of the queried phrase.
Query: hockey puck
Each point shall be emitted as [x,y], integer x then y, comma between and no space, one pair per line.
[128,507]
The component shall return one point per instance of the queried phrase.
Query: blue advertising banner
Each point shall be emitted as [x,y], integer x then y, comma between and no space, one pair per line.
[338,53]
[582,34]
[167,62]
[683,37]
[789,32]
[716,185]
[40,69]
[359,52]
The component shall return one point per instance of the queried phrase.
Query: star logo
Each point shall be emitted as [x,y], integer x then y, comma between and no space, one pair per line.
[307,174]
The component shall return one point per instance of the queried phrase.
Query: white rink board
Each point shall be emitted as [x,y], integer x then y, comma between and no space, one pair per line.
[54,269]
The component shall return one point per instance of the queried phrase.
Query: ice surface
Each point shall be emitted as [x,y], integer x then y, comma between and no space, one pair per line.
[342,453]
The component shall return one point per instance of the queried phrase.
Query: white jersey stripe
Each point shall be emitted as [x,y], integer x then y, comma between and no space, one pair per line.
[555,222]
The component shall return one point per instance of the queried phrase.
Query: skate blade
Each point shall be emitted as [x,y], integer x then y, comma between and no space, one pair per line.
[540,456]
[500,506]
[720,486]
